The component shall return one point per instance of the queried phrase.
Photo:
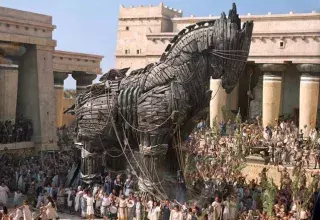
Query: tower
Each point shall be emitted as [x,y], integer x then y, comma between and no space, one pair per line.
[134,26]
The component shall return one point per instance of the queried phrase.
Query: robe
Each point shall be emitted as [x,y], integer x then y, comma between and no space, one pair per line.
[123,211]
[4,195]
[174,215]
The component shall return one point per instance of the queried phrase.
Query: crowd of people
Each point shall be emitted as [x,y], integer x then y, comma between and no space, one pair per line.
[33,182]
[19,130]
[212,176]
[218,155]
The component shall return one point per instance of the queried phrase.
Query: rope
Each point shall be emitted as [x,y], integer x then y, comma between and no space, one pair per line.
[107,151]
[149,175]
[118,138]
[123,148]
[145,131]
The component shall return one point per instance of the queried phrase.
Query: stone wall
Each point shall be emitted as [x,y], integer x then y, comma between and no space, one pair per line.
[252,171]
[276,38]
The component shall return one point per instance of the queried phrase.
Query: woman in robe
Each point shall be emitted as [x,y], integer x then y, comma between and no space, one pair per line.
[4,191]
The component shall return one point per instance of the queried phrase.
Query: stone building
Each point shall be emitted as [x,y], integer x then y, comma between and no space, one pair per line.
[282,72]
[32,75]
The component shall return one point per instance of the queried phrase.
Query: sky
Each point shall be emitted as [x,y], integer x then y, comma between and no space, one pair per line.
[90,26]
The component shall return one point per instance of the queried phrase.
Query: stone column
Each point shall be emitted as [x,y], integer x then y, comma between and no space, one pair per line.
[8,91]
[309,94]
[59,78]
[36,95]
[83,80]
[271,94]
[218,100]
[233,98]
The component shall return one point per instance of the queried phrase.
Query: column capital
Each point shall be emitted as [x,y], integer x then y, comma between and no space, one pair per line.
[272,68]
[308,68]
[59,78]
[83,78]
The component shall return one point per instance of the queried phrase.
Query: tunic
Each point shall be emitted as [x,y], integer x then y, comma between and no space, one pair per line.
[105,203]
[90,209]
[123,213]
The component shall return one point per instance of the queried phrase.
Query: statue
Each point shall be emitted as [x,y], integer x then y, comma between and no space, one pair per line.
[154,103]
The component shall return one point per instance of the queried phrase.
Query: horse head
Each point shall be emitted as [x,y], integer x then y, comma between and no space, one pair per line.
[221,42]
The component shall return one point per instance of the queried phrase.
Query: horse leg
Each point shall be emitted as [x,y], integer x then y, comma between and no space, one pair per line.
[155,134]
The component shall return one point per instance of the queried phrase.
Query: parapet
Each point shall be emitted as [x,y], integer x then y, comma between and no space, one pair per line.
[148,11]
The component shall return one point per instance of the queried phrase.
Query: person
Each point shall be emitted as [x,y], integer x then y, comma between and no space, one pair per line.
[217,209]
[40,200]
[138,209]
[51,209]
[5,215]
[61,197]
[189,215]
[107,182]
[226,210]
[18,215]
[123,212]
[166,210]
[90,209]
[128,186]
[26,211]
[104,205]
[70,199]
[176,214]
[17,199]
[43,212]
[4,191]
[77,199]
[131,206]
[117,185]
[155,211]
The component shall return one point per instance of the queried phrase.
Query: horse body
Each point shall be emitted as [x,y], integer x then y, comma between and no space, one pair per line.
[163,98]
